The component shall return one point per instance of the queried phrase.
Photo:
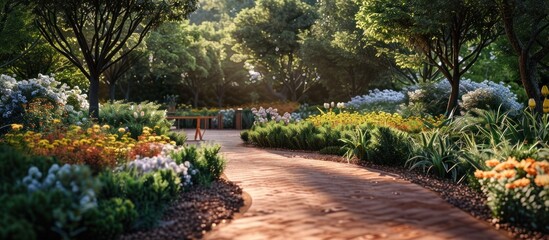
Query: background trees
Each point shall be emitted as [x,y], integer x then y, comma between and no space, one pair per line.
[527,29]
[269,37]
[91,34]
[449,34]
[235,51]
[335,48]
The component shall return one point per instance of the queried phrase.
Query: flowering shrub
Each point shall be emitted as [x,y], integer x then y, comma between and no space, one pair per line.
[94,146]
[281,106]
[395,120]
[377,100]
[518,192]
[270,114]
[26,101]
[134,117]
[153,164]
[75,183]
[304,111]
[432,98]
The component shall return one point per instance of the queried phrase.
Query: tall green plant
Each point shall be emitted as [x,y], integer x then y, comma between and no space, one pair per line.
[356,144]
[437,154]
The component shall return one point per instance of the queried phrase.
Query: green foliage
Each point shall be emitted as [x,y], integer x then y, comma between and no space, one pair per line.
[389,147]
[14,165]
[209,163]
[178,137]
[207,160]
[111,218]
[150,193]
[269,37]
[437,154]
[134,117]
[245,136]
[348,65]
[189,154]
[298,136]
[357,143]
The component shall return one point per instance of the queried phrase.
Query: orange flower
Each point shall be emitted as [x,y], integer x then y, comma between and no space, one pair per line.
[492,162]
[508,174]
[542,180]
[511,163]
[523,182]
[544,166]
[479,174]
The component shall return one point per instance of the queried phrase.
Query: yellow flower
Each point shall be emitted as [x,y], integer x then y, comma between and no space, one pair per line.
[121,130]
[55,121]
[542,180]
[16,127]
[544,91]
[546,105]
[531,103]
[105,127]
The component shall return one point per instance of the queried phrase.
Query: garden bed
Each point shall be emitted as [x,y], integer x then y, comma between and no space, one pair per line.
[195,212]
[459,195]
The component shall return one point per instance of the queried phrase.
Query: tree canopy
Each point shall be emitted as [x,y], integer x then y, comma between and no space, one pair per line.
[269,36]
[91,34]
[450,34]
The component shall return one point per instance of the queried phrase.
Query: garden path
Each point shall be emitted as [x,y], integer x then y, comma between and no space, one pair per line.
[298,198]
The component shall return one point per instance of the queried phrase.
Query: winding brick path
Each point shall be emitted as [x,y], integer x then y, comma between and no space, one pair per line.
[297,198]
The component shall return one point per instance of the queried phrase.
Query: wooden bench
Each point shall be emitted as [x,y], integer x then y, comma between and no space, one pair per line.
[198,133]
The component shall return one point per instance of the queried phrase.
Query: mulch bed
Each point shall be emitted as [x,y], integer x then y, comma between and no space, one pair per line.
[459,195]
[195,212]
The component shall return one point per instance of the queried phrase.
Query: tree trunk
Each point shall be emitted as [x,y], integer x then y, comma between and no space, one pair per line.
[112,91]
[196,95]
[527,69]
[452,106]
[93,96]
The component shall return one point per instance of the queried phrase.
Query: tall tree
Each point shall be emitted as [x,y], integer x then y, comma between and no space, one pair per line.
[92,33]
[269,37]
[18,35]
[527,28]
[449,33]
[345,63]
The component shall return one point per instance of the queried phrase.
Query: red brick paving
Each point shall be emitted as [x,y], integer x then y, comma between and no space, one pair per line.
[297,198]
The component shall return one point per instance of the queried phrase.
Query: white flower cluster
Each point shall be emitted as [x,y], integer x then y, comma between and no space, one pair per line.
[162,162]
[15,93]
[376,98]
[332,105]
[270,114]
[73,180]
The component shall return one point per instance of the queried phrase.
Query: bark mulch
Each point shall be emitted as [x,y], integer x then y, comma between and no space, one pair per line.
[195,212]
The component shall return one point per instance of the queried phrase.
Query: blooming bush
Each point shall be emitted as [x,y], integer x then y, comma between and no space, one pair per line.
[270,114]
[395,120]
[153,164]
[518,192]
[134,117]
[76,184]
[34,100]
[432,98]
[376,100]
